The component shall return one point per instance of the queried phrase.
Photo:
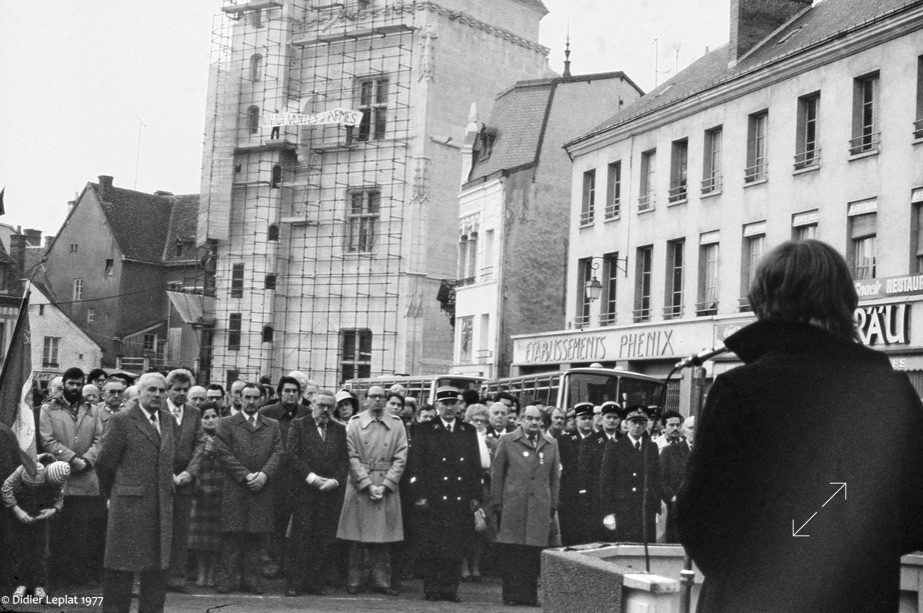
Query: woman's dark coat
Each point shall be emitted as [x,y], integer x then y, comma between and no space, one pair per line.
[760,511]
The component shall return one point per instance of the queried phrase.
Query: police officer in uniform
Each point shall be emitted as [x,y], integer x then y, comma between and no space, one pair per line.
[629,482]
[445,482]
[576,507]
[591,457]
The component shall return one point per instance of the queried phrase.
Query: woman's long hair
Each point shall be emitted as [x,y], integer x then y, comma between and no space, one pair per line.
[808,282]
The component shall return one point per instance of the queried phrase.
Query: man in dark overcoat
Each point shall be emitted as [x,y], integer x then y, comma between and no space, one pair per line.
[284,411]
[135,465]
[575,510]
[445,482]
[249,447]
[805,483]
[673,459]
[319,456]
[589,463]
[629,482]
[190,444]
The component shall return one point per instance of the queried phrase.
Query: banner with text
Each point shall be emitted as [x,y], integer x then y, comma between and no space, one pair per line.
[346,117]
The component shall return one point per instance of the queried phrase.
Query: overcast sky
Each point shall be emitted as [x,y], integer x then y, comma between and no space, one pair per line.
[79,78]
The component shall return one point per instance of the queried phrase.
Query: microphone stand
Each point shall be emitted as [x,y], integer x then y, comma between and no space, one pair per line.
[687,575]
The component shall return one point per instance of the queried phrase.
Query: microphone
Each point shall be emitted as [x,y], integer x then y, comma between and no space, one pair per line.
[702,356]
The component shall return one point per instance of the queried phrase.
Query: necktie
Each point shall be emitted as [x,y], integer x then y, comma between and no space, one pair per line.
[638,445]
[532,441]
[323,431]
[154,422]
[449,428]
[178,415]
[253,420]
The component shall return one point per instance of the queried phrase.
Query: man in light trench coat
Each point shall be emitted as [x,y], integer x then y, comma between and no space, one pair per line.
[525,481]
[371,516]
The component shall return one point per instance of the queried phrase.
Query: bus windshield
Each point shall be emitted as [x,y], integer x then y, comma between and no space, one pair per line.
[462,384]
[600,387]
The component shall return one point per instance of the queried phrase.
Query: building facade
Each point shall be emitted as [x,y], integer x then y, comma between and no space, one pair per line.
[124,267]
[57,342]
[333,240]
[806,125]
[514,213]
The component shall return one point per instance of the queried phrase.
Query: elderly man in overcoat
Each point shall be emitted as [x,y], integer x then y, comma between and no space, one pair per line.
[525,483]
[135,464]
[371,516]
[249,447]
[445,482]
[71,430]
[320,459]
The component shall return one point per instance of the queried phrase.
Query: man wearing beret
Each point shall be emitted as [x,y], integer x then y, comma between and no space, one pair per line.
[629,482]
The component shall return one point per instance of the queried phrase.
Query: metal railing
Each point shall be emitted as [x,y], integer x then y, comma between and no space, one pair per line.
[586,217]
[677,194]
[581,321]
[639,315]
[918,129]
[614,209]
[607,319]
[756,173]
[807,159]
[465,281]
[743,305]
[712,184]
[865,143]
[647,201]
[674,311]
[708,307]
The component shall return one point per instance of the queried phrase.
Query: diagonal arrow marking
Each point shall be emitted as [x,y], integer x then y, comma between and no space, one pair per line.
[795,532]
[842,487]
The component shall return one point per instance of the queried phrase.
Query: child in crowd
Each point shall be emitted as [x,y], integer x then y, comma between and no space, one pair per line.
[31,500]
[205,525]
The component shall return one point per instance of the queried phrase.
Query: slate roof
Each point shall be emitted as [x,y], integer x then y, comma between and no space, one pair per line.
[5,257]
[518,115]
[824,22]
[184,221]
[144,225]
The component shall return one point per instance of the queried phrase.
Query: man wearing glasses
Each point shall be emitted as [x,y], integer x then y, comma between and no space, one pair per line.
[113,389]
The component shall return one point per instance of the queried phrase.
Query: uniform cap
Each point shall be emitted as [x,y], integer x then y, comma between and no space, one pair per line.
[610,406]
[447,394]
[583,408]
[636,413]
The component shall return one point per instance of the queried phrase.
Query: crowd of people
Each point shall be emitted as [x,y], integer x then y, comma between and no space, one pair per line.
[181,483]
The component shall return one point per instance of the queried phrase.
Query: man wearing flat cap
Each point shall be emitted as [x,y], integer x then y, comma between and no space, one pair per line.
[590,460]
[629,482]
[445,483]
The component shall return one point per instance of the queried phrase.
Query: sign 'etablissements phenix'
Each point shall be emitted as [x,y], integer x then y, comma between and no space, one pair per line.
[346,117]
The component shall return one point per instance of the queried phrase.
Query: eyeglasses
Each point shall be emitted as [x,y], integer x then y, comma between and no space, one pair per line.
[115,392]
[376,396]
[478,420]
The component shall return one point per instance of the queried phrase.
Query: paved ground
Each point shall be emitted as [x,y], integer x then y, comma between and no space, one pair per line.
[476,598]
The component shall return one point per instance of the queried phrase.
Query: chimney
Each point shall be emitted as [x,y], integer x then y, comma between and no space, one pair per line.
[70,206]
[471,134]
[48,241]
[33,237]
[754,20]
[18,253]
[105,186]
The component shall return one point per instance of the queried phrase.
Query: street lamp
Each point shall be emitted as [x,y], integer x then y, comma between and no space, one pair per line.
[593,288]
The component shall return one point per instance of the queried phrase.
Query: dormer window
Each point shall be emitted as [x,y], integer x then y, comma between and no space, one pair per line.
[485,143]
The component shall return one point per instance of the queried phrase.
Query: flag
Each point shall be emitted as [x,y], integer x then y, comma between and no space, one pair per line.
[2,210]
[16,388]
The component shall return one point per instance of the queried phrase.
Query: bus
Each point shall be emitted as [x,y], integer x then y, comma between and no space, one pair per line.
[421,387]
[565,388]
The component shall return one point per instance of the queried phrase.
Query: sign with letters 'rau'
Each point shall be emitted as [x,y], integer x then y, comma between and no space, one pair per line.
[885,324]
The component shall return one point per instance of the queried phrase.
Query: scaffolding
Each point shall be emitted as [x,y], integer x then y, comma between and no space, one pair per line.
[307,222]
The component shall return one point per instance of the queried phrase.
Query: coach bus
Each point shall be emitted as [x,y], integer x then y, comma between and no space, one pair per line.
[421,387]
[566,388]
